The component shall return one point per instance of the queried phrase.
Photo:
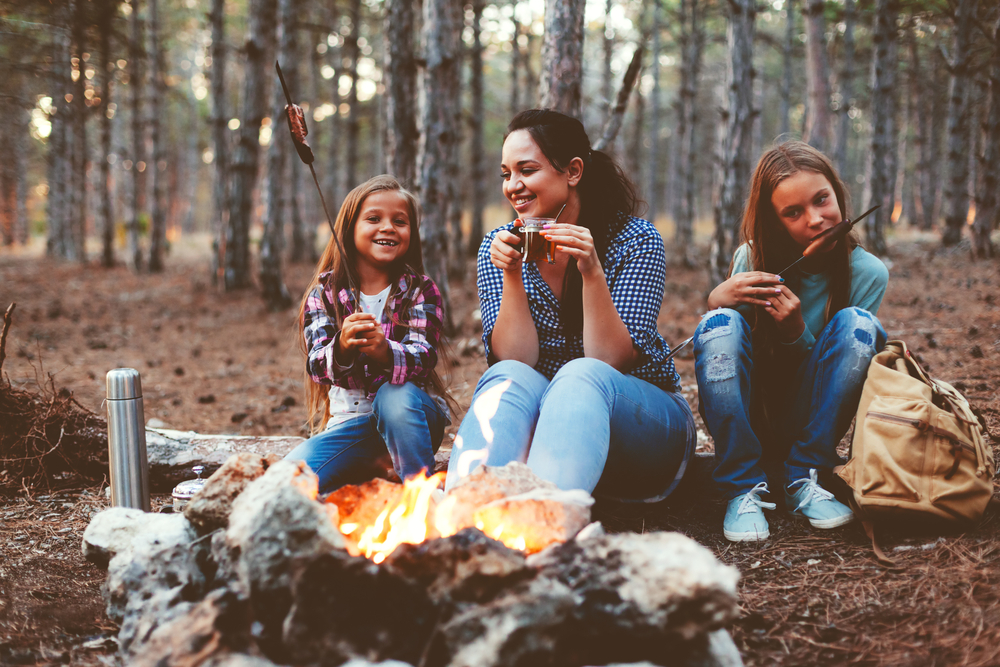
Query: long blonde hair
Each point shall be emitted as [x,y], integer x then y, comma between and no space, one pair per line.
[412,263]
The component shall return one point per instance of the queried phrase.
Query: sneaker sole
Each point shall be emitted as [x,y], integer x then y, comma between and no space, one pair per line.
[826,524]
[746,537]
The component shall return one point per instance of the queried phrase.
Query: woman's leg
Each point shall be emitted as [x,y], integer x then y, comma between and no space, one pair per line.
[723,362]
[411,424]
[498,426]
[597,424]
[830,383]
[342,454]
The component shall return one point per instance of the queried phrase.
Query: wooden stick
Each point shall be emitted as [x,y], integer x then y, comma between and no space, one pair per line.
[8,317]
[618,114]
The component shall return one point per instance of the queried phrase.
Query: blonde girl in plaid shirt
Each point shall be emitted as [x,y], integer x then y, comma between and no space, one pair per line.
[371,385]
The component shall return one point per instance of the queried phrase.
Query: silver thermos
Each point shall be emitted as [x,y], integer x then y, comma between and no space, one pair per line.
[127,440]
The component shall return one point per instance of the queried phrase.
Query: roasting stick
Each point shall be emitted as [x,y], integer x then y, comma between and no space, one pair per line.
[297,127]
[824,241]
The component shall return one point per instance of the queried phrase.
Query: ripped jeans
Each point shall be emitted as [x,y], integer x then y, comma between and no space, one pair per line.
[824,395]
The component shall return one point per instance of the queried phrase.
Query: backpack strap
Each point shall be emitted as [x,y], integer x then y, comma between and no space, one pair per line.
[869,527]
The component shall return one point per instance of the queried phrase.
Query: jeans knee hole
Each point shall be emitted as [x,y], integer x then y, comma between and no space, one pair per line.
[720,367]
[717,320]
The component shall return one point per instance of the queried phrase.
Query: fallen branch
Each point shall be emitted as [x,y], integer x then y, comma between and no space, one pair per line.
[8,317]
[618,113]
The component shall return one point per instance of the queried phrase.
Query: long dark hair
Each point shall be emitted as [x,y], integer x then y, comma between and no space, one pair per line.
[607,195]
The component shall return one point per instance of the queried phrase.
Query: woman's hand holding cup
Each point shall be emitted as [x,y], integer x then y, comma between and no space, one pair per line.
[576,242]
[506,248]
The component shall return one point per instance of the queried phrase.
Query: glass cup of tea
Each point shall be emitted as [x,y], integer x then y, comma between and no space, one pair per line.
[536,247]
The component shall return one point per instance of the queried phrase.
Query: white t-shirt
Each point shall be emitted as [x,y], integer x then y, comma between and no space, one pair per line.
[348,403]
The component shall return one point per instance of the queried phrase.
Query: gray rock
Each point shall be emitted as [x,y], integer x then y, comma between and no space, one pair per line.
[534,520]
[172,454]
[275,522]
[662,583]
[209,508]
[112,531]
[359,662]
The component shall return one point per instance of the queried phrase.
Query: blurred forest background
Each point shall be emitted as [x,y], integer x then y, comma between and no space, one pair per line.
[131,124]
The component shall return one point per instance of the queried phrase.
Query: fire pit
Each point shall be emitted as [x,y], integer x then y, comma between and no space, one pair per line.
[504,569]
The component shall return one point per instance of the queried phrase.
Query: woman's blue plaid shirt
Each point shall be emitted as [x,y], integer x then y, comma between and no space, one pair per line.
[635,268]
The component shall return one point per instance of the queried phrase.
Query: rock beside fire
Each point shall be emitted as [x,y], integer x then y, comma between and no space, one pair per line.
[114,530]
[484,485]
[209,508]
[535,519]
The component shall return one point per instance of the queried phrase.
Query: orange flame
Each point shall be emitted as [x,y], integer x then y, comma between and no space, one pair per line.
[403,522]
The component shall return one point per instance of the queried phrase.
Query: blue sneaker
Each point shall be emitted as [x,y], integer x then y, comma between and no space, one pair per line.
[745,520]
[811,501]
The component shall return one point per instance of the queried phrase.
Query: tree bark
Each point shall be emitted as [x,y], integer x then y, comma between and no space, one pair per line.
[59,149]
[924,186]
[561,72]
[259,72]
[442,27]
[787,49]
[400,80]
[107,205]
[956,197]
[477,147]
[220,136]
[739,119]
[158,166]
[841,158]
[278,194]
[352,53]
[333,181]
[818,125]
[516,58]
[987,196]
[137,194]
[692,41]
[614,122]
[653,163]
[78,207]
[289,52]
[882,160]
[607,75]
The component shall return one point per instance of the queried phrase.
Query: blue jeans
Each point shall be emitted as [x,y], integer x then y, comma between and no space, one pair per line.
[404,420]
[590,428]
[824,393]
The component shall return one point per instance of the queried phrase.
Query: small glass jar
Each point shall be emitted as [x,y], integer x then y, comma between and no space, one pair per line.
[184,491]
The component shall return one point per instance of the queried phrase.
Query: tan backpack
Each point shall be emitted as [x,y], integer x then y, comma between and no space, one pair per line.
[918,449]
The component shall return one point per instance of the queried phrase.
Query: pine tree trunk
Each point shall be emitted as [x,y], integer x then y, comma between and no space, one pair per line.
[333,181]
[21,140]
[58,146]
[562,57]
[787,49]
[607,76]
[158,166]
[840,157]
[939,112]
[454,184]
[882,161]
[739,135]
[137,199]
[246,157]
[289,53]
[8,180]
[692,43]
[220,136]
[400,80]
[279,195]
[477,157]
[817,131]
[352,52]
[923,186]
[988,197]
[107,207]
[78,207]
[317,133]
[516,59]
[956,197]
[653,188]
[442,27]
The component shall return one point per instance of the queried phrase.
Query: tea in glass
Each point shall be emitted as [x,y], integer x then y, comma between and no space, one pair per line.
[536,246]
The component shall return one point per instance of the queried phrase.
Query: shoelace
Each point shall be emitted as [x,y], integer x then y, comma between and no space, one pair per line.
[751,499]
[813,490]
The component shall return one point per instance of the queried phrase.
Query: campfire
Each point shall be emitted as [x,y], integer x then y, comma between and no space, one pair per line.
[503,570]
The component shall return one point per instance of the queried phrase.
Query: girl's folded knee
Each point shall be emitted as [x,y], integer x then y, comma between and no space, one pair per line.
[860,329]
[718,324]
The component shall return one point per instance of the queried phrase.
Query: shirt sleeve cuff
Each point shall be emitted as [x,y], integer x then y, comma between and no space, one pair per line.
[334,361]
[803,344]
[398,362]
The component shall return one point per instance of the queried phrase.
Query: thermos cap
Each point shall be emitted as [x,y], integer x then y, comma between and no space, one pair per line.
[123,383]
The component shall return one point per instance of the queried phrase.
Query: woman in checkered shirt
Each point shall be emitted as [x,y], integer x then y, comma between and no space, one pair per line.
[580,386]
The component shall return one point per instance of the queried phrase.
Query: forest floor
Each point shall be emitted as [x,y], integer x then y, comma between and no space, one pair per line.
[221,363]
